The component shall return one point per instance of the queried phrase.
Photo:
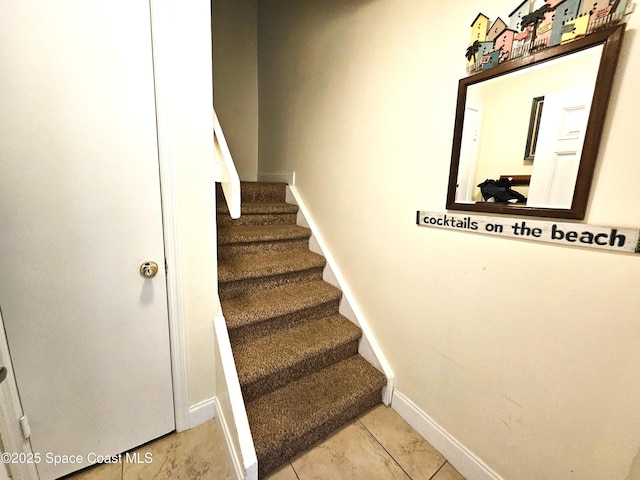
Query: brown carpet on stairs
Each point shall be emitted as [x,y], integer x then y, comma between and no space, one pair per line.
[296,356]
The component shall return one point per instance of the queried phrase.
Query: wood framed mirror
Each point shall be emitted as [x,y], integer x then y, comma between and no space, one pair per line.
[535,121]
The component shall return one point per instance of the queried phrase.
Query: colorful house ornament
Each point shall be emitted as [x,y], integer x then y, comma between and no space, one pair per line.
[575,28]
[538,24]
[504,43]
[515,17]
[619,7]
[593,6]
[543,31]
[566,11]
[495,29]
[479,28]
[485,48]
[491,60]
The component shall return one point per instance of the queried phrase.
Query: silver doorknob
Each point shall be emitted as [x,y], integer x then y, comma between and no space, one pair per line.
[149,269]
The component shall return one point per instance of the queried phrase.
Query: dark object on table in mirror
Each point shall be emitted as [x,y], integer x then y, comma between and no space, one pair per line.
[501,191]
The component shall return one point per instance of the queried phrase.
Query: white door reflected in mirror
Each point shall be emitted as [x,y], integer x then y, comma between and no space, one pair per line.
[560,139]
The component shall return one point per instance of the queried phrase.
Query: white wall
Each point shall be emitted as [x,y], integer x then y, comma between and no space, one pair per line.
[192,138]
[527,353]
[235,58]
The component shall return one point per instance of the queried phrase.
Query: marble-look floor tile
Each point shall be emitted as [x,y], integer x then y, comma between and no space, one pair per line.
[447,472]
[195,454]
[286,472]
[105,471]
[414,454]
[350,454]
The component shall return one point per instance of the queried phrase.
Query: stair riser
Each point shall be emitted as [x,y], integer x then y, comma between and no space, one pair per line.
[254,193]
[248,286]
[276,324]
[264,385]
[233,249]
[268,462]
[267,193]
[264,219]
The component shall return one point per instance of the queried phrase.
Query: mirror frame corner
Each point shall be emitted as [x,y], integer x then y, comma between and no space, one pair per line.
[611,40]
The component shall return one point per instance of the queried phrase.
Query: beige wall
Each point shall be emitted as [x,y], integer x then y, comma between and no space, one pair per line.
[527,353]
[235,71]
[192,141]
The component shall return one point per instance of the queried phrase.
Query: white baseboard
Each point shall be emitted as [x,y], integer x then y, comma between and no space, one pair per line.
[230,409]
[207,410]
[465,461]
[281,177]
[232,454]
[369,347]
[202,412]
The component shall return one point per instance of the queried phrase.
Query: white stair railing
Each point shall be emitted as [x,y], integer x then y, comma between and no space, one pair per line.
[231,409]
[229,402]
[226,172]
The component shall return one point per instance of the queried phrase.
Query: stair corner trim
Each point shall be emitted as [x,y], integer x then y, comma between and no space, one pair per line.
[369,346]
[230,408]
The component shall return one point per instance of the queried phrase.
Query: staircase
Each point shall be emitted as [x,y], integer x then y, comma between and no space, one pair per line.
[297,357]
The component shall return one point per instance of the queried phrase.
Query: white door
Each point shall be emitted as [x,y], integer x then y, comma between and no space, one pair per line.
[79,213]
[562,129]
[11,437]
[469,154]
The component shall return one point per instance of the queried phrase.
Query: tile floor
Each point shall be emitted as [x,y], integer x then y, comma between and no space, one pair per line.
[379,445]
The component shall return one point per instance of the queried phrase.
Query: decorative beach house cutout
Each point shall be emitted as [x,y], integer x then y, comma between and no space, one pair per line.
[535,25]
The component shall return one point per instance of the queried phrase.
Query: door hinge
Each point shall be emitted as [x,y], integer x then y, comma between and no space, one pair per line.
[24,426]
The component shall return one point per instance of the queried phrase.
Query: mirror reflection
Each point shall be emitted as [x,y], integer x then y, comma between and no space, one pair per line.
[524,132]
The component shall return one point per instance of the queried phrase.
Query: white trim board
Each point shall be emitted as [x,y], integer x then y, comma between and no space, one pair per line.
[232,455]
[202,412]
[162,64]
[211,409]
[230,407]
[369,347]
[463,459]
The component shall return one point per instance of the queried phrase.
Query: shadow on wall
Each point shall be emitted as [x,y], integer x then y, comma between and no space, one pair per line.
[324,35]
[624,61]
[328,7]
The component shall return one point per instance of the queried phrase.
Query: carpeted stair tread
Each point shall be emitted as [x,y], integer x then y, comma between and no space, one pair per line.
[258,307]
[261,233]
[260,208]
[296,356]
[269,362]
[259,214]
[263,265]
[289,420]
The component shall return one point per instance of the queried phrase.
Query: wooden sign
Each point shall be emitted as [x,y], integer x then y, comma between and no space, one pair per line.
[568,234]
